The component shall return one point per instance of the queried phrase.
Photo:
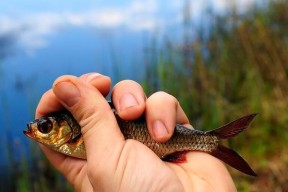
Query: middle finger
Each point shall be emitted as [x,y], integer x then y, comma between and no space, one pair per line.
[163,111]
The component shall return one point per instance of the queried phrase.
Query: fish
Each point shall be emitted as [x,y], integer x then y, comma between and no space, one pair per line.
[59,131]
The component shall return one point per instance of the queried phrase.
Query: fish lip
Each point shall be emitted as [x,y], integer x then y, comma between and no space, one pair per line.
[28,132]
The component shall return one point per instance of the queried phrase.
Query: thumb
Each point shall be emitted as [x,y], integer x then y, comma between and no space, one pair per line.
[102,136]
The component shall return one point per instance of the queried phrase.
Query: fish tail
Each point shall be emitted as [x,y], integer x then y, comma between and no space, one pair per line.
[233,159]
[228,155]
[231,129]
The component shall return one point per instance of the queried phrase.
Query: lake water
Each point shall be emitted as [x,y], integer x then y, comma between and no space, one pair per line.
[26,76]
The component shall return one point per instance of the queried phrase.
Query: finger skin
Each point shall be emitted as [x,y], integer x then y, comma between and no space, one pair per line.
[129,99]
[49,102]
[99,81]
[203,172]
[163,111]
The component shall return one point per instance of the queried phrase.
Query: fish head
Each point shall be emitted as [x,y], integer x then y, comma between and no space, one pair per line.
[51,130]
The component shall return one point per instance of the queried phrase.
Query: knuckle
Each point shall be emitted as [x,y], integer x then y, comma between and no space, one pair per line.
[124,83]
[163,97]
[130,85]
[90,115]
[90,119]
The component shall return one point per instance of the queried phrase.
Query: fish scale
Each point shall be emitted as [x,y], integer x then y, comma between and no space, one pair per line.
[61,132]
[183,139]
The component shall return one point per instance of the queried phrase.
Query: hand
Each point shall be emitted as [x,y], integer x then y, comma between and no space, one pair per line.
[116,164]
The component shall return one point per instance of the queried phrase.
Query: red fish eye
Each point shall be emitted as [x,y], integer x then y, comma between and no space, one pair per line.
[45,125]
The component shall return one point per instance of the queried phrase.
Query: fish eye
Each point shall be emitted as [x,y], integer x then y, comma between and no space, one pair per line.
[45,125]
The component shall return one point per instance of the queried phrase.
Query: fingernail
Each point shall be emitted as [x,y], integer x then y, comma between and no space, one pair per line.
[126,101]
[67,92]
[93,76]
[159,129]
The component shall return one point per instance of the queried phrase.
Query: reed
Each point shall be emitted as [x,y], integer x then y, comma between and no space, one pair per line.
[240,68]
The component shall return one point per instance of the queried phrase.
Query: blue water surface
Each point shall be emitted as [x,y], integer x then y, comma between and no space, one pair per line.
[25,77]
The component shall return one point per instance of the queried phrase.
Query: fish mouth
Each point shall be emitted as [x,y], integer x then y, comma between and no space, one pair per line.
[28,132]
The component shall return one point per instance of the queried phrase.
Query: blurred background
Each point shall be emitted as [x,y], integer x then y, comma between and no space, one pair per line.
[222,59]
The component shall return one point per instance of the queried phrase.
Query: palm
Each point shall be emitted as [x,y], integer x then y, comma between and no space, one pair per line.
[136,164]
[139,167]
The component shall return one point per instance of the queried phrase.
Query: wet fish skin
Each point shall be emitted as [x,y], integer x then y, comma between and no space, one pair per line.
[60,132]
[183,138]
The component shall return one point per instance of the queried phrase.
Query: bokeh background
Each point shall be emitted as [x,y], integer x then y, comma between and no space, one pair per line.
[222,59]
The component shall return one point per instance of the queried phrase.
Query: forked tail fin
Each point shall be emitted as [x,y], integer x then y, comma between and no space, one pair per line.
[233,159]
[233,128]
[228,155]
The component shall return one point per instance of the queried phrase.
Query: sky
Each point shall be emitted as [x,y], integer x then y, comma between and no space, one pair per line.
[35,20]
[41,40]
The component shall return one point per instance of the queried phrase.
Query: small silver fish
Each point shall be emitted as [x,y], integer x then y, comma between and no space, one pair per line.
[60,132]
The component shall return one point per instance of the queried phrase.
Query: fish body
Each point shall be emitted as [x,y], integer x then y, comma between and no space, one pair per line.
[183,138]
[60,132]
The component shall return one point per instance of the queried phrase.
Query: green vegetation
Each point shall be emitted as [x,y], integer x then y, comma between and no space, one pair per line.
[241,67]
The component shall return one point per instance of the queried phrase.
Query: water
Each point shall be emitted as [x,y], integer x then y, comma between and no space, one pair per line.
[25,77]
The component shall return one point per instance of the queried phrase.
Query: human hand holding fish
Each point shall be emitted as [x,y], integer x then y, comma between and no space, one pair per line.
[112,161]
